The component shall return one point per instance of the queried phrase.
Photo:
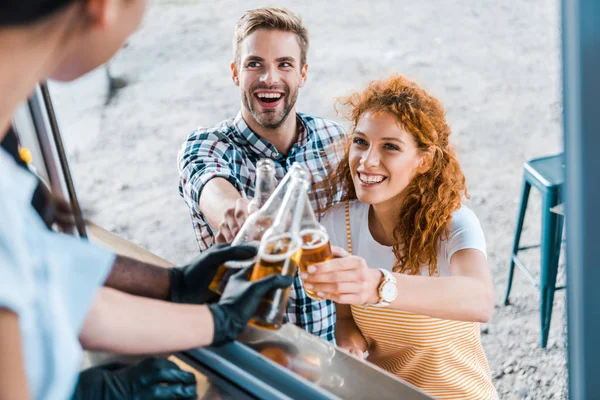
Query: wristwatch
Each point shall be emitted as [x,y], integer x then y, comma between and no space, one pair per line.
[387,289]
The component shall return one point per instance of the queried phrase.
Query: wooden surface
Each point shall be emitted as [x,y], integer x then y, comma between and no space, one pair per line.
[113,242]
[202,383]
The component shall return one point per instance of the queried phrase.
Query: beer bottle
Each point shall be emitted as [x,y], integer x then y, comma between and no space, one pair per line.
[267,201]
[315,242]
[255,225]
[279,253]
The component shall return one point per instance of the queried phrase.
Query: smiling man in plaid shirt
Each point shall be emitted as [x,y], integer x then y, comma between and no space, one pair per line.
[217,165]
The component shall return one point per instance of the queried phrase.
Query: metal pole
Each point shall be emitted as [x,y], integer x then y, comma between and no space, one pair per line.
[581,84]
[62,157]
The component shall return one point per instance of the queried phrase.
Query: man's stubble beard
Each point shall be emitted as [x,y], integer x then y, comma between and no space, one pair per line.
[290,102]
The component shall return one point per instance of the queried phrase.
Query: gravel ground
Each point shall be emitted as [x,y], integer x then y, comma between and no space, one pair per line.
[495,66]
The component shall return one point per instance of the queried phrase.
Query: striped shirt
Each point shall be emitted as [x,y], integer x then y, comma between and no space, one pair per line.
[231,150]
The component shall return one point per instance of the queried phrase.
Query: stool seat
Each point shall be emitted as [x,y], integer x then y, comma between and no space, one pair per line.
[548,171]
[547,175]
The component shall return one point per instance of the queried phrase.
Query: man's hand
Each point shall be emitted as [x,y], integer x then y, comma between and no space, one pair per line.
[153,378]
[233,220]
[239,301]
[189,284]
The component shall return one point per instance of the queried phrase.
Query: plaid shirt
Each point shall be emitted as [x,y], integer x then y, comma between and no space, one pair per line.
[231,150]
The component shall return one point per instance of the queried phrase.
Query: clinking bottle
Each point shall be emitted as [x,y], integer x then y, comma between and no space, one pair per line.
[255,225]
[316,247]
[280,253]
[267,200]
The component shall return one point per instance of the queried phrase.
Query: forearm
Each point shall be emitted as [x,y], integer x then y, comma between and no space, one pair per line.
[346,331]
[13,380]
[139,278]
[461,298]
[127,324]
[217,196]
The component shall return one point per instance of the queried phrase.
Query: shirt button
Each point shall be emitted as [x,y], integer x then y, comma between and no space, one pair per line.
[303,308]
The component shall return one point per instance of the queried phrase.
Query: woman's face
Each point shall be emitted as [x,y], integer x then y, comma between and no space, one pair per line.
[383,158]
[110,22]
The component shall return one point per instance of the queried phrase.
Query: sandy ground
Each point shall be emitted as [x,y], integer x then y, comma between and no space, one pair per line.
[495,66]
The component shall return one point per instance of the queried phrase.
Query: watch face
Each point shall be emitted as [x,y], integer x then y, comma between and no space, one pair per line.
[389,291]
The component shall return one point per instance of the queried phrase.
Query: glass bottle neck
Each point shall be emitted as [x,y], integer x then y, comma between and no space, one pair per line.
[290,213]
[265,185]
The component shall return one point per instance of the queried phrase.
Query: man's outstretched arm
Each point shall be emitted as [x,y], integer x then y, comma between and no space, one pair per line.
[139,278]
[217,196]
[186,284]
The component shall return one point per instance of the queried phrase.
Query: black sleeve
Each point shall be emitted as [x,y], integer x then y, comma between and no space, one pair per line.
[10,143]
[40,198]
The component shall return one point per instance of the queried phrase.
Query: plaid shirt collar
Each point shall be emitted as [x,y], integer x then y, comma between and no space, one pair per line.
[250,140]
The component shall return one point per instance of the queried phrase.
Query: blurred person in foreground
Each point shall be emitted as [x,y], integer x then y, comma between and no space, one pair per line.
[416,284]
[51,302]
[217,164]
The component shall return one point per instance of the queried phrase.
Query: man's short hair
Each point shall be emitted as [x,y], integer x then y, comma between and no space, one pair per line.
[274,19]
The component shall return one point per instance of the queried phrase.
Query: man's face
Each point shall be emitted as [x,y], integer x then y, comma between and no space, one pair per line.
[269,75]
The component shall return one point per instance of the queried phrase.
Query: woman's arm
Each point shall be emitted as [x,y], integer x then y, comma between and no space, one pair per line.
[467,295]
[347,334]
[13,380]
[127,324]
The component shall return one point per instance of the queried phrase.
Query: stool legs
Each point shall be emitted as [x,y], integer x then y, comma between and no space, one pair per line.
[515,250]
[551,223]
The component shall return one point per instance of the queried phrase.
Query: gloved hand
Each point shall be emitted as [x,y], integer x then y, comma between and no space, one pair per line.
[239,301]
[153,378]
[189,284]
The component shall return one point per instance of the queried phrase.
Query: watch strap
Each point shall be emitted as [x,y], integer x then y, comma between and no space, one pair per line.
[387,277]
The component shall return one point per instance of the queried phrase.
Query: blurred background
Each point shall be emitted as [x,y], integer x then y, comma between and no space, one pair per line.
[495,66]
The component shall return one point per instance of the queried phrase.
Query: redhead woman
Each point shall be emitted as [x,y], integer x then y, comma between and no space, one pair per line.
[415,284]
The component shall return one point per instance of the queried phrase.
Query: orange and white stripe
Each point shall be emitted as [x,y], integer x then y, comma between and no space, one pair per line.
[443,358]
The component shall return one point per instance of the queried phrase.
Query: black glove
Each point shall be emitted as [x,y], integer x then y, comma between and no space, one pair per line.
[153,378]
[189,284]
[239,301]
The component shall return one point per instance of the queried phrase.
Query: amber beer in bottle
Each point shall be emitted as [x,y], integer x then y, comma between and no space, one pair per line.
[315,249]
[315,242]
[268,200]
[280,252]
[255,225]
[279,256]
[226,270]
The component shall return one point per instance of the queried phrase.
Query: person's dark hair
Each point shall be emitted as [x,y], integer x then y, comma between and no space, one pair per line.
[23,12]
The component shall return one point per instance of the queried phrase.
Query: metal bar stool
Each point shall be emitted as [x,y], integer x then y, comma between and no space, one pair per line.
[547,175]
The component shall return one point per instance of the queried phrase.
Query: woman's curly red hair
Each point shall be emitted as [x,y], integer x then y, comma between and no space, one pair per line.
[434,193]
